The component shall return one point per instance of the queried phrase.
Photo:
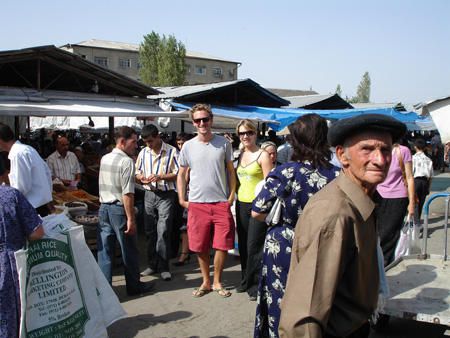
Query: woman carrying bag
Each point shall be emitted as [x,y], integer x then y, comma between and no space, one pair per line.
[289,185]
[395,199]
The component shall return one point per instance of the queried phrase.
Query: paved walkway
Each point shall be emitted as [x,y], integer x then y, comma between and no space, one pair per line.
[172,311]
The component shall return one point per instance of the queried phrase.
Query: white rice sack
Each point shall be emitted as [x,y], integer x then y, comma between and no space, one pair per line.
[60,291]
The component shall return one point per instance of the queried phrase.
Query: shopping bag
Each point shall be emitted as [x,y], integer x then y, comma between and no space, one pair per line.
[408,242]
[383,289]
[274,215]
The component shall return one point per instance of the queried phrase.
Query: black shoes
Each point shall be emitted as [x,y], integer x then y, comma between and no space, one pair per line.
[241,289]
[184,261]
[143,289]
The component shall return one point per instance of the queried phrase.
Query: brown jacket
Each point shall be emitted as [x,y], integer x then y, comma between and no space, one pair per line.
[333,279]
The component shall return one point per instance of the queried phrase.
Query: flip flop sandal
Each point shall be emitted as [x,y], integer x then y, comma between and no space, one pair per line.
[222,292]
[199,292]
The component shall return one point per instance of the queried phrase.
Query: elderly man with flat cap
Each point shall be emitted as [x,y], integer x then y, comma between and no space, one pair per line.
[332,287]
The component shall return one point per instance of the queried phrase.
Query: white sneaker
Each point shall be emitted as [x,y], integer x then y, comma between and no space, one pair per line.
[166,276]
[148,272]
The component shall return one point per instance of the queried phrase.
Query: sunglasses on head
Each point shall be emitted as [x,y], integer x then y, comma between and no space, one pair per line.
[248,133]
[204,119]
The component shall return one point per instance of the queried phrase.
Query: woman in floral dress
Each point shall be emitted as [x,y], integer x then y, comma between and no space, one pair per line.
[18,221]
[294,183]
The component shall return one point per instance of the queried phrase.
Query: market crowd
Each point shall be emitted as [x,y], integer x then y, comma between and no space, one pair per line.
[308,210]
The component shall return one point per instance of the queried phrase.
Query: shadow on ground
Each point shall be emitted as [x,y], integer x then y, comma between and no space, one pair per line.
[141,322]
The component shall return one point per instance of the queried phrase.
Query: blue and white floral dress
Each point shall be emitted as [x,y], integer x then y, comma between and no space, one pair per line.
[294,183]
[18,220]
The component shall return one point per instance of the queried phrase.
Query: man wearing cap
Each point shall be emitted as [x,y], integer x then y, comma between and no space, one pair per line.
[332,287]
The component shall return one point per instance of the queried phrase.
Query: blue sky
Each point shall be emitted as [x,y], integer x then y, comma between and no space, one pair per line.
[404,45]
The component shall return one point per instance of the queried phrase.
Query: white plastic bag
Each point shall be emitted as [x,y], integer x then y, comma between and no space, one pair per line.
[408,242]
[274,215]
[383,289]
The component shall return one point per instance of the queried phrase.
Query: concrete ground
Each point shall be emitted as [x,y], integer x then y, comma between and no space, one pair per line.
[171,311]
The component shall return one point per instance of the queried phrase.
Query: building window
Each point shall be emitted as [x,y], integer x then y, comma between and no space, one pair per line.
[188,69]
[138,65]
[124,63]
[102,61]
[83,56]
[200,70]
[217,72]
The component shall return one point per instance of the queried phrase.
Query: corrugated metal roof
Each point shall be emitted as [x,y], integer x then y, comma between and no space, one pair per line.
[327,101]
[422,108]
[135,48]
[291,92]
[58,69]
[245,91]
[397,106]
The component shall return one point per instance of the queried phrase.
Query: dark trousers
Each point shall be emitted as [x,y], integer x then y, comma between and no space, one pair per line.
[421,188]
[176,232]
[362,332]
[158,218]
[390,213]
[251,235]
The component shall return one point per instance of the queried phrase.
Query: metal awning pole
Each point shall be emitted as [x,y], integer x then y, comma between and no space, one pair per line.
[111,127]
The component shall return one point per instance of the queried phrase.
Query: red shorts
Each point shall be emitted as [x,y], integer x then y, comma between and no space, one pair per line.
[210,219]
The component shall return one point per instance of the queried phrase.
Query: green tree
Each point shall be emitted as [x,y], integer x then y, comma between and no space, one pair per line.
[363,90]
[162,60]
[338,90]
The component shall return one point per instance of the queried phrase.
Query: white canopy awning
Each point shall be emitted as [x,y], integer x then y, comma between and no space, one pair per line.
[29,102]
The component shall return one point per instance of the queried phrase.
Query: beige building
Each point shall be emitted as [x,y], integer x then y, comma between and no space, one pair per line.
[124,59]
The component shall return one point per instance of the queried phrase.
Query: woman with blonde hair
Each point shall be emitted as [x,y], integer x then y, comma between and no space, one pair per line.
[253,166]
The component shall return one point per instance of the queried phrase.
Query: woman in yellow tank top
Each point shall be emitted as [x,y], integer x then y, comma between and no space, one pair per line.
[254,165]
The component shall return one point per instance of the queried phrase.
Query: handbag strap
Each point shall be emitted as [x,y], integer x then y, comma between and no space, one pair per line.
[398,153]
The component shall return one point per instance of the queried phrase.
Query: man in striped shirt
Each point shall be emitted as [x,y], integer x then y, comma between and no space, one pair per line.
[116,213]
[63,163]
[156,169]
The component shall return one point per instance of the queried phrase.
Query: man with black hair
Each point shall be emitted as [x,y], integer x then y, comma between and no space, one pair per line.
[28,172]
[156,169]
[116,213]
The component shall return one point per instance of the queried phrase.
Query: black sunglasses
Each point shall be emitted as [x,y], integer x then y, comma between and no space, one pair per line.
[204,119]
[248,133]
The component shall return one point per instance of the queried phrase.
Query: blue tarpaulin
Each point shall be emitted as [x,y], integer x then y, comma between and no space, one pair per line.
[286,116]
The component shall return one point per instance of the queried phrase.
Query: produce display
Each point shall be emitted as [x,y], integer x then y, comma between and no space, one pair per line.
[78,195]
[86,219]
